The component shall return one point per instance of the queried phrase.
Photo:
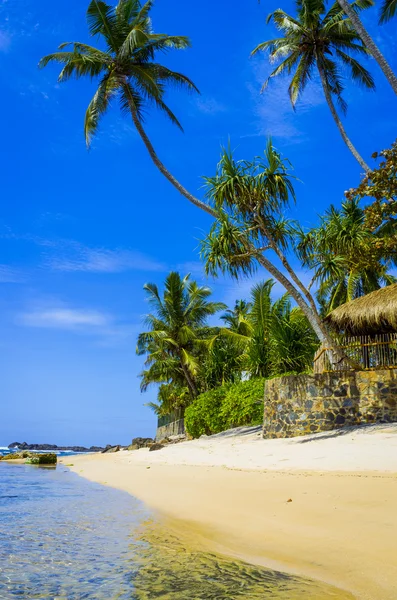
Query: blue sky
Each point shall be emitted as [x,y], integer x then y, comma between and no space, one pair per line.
[81,232]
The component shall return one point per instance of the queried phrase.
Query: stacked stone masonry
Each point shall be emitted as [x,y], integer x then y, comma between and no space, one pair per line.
[174,428]
[304,404]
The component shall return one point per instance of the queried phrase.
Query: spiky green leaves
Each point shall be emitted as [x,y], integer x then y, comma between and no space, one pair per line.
[388,11]
[316,38]
[127,69]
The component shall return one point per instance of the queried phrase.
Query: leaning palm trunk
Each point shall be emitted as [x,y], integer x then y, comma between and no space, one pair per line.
[335,353]
[369,42]
[337,120]
[153,155]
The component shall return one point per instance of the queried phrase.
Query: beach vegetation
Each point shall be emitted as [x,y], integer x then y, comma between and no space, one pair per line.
[177,332]
[349,258]
[225,407]
[126,68]
[321,39]
[252,230]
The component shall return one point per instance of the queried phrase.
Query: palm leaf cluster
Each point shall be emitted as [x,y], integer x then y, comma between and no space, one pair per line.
[185,357]
[125,65]
[349,259]
[251,198]
[177,332]
[274,337]
[317,39]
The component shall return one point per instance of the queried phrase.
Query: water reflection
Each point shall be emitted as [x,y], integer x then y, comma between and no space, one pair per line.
[63,537]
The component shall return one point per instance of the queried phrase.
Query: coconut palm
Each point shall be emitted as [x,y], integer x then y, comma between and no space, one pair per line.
[348,258]
[388,10]
[177,330]
[125,69]
[322,40]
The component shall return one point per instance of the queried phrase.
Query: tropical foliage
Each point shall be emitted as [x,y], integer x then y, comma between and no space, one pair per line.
[251,230]
[186,358]
[177,334]
[349,259]
[226,407]
[274,337]
[126,69]
[321,39]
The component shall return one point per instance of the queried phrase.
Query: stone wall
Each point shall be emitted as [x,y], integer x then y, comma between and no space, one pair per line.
[302,404]
[174,428]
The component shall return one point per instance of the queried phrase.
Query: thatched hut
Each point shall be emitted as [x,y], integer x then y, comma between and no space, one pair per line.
[373,314]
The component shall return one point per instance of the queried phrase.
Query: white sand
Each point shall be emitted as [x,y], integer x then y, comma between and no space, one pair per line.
[232,492]
[371,448]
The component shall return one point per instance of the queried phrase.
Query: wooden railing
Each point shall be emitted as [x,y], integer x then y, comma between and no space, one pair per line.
[361,352]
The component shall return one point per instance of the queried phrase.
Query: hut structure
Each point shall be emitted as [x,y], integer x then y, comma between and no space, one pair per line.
[366,329]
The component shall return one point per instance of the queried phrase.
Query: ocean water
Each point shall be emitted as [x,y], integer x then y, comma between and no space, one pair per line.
[64,538]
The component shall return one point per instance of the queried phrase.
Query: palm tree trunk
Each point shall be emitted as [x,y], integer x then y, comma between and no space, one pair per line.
[161,166]
[337,120]
[312,316]
[369,42]
[189,380]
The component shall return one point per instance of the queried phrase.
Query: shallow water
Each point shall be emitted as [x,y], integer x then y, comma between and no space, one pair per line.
[66,538]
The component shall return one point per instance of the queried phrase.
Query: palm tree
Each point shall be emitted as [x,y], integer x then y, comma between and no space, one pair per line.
[322,40]
[387,11]
[251,198]
[274,338]
[348,258]
[125,69]
[177,330]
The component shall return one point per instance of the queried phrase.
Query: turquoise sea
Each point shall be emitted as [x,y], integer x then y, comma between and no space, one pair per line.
[64,538]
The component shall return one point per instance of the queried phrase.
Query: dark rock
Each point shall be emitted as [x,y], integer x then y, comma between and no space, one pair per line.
[140,442]
[25,446]
[155,446]
[111,449]
[42,459]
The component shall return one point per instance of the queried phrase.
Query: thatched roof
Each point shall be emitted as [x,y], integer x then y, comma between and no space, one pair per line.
[374,313]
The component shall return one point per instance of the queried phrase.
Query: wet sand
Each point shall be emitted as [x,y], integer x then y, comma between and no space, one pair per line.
[328,523]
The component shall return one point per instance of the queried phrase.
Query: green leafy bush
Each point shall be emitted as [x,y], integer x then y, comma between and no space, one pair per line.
[226,407]
[203,416]
[243,404]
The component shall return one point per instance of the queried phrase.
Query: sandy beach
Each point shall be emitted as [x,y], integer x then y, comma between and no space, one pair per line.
[321,506]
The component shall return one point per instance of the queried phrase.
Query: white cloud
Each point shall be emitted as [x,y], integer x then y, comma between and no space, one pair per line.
[72,256]
[274,113]
[57,315]
[64,318]
[210,106]
[10,275]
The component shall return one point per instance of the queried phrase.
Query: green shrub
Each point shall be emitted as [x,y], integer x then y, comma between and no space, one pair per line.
[203,416]
[243,404]
[226,407]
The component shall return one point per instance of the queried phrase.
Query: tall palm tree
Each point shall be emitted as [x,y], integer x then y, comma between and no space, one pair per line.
[251,198]
[322,40]
[387,11]
[348,258]
[125,69]
[177,329]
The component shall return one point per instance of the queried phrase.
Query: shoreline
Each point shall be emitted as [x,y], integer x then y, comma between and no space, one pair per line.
[331,524]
